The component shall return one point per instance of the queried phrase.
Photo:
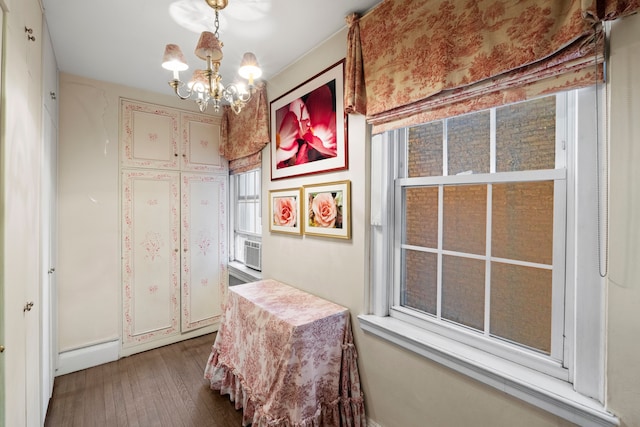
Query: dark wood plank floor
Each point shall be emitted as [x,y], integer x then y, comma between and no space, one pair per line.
[161,387]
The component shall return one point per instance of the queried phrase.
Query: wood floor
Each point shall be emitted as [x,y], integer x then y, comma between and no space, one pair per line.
[161,387]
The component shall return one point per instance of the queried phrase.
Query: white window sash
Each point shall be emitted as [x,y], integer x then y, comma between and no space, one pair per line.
[580,398]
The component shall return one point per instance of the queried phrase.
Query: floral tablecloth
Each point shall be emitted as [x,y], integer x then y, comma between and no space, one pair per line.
[286,358]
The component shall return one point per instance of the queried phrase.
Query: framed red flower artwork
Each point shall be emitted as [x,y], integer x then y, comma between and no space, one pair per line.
[308,127]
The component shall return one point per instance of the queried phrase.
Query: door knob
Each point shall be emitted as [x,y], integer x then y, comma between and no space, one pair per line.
[1,349]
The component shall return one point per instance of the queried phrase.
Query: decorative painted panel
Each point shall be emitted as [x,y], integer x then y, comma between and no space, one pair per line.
[149,136]
[150,252]
[204,252]
[201,143]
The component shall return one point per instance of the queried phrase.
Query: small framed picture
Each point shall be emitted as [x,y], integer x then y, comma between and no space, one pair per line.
[284,211]
[327,209]
[308,127]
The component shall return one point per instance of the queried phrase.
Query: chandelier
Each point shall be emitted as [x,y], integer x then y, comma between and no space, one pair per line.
[206,85]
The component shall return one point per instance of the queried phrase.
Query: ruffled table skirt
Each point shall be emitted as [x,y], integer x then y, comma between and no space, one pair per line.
[283,371]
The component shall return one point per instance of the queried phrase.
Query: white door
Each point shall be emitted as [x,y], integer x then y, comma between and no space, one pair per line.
[21,161]
[204,259]
[150,255]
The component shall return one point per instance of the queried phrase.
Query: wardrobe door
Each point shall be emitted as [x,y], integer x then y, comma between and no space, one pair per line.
[200,142]
[149,136]
[151,258]
[204,259]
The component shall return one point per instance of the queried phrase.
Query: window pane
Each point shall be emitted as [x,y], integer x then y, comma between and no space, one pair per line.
[420,281]
[239,247]
[526,135]
[256,177]
[463,291]
[465,214]
[521,305]
[421,216]
[251,184]
[242,184]
[522,227]
[425,150]
[468,140]
[242,217]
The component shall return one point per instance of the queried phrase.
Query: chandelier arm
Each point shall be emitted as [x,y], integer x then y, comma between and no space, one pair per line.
[176,85]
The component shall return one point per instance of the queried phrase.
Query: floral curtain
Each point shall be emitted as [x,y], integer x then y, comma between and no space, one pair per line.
[606,10]
[244,135]
[355,98]
[424,55]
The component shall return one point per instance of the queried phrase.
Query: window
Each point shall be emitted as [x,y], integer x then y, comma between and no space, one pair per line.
[246,213]
[477,261]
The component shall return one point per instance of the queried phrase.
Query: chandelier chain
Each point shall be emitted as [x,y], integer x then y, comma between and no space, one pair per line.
[216,24]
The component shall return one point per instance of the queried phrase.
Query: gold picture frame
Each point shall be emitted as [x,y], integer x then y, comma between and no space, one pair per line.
[327,209]
[285,211]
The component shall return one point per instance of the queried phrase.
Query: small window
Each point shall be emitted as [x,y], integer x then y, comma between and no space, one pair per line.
[246,213]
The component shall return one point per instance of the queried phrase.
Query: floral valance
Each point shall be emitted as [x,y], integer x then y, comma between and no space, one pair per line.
[244,135]
[417,52]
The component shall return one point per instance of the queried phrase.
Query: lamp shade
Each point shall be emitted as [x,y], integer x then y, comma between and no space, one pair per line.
[173,58]
[209,46]
[199,81]
[249,68]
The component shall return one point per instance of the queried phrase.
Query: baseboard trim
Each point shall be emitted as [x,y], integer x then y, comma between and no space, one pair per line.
[371,423]
[88,357]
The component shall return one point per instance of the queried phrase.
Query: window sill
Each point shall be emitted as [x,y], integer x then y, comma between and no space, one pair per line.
[547,393]
[242,272]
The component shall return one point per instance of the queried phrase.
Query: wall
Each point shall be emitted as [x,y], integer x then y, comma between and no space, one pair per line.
[403,389]
[89,285]
[624,220]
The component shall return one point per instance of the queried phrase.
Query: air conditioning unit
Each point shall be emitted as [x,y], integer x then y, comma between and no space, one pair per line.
[253,255]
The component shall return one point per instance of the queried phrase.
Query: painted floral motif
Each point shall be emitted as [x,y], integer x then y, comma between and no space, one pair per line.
[153,289]
[204,282]
[204,241]
[153,137]
[152,244]
[204,143]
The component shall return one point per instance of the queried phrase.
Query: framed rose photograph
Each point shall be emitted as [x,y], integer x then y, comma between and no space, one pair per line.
[308,127]
[284,211]
[327,209]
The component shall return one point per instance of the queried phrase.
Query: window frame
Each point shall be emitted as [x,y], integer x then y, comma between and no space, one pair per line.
[552,364]
[234,212]
[580,396]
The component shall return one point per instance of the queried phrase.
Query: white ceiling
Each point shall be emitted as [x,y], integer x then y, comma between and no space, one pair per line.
[122,41]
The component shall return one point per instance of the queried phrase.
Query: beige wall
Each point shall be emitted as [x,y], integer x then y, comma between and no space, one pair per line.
[624,265]
[403,389]
[89,214]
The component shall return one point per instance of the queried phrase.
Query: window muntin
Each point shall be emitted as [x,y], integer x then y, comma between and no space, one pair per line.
[479,204]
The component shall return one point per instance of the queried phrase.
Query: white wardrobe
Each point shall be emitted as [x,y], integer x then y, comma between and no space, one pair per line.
[174,225]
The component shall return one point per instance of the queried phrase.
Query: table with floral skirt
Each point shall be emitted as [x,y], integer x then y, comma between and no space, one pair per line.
[287,358]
